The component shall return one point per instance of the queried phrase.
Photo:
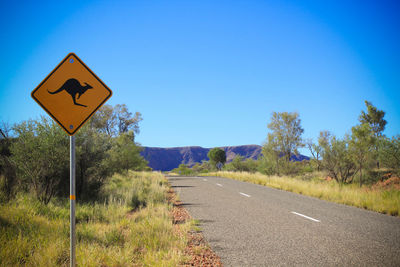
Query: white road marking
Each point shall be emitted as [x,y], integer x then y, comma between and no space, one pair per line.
[243,194]
[302,215]
[219,184]
[205,180]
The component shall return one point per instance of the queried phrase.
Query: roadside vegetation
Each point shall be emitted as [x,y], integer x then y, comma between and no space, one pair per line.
[129,226]
[34,155]
[361,169]
[123,217]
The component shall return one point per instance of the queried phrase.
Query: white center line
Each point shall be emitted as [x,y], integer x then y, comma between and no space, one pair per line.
[302,215]
[219,184]
[243,194]
[205,180]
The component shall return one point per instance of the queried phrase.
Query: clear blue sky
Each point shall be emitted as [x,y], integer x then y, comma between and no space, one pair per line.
[210,73]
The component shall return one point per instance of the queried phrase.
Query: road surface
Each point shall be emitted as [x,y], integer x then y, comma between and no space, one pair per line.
[253,225]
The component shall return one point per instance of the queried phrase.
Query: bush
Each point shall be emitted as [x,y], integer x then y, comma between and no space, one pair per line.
[8,177]
[389,152]
[240,164]
[125,154]
[40,154]
[135,189]
[91,163]
[183,170]
[37,159]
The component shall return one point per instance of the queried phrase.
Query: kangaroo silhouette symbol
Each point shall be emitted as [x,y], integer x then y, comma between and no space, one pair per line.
[73,87]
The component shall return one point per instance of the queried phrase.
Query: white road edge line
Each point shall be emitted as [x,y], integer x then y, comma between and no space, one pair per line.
[302,215]
[205,180]
[218,184]
[243,194]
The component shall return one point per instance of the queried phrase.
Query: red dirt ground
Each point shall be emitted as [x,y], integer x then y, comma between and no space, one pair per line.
[392,183]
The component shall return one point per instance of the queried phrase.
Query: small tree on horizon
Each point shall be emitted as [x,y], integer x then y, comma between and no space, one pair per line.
[217,155]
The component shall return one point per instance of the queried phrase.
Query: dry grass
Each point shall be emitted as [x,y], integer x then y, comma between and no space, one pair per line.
[108,233]
[381,200]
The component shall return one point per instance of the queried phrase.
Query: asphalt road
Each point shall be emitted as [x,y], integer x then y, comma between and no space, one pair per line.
[252,225]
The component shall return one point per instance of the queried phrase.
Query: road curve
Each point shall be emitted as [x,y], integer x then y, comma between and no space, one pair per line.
[252,225]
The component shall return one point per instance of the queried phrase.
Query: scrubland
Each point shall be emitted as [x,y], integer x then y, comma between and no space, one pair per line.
[130,226]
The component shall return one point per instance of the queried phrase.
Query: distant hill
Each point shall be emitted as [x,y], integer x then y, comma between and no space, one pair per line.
[166,159]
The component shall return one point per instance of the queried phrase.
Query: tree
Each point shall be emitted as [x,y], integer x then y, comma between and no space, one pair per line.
[390,152]
[125,121]
[116,120]
[40,154]
[282,142]
[362,145]
[336,158]
[374,118]
[217,155]
[104,120]
[125,154]
[92,161]
[286,133]
[315,150]
[8,177]
[271,159]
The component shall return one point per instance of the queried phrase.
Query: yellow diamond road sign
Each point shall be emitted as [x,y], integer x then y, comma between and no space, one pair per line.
[71,93]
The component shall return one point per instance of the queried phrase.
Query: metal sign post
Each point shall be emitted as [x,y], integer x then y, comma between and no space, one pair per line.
[72,200]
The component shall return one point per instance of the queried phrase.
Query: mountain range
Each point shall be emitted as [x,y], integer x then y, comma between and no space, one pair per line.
[166,159]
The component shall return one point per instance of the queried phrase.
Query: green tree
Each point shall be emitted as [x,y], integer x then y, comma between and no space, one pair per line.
[315,150]
[271,160]
[217,155]
[282,142]
[116,120]
[40,154]
[105,121]
[337,158]
[286,132]
[375,119]
[92,163]
[126,121]
[362,145]
[8,178]
[390,152]
[125,154]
